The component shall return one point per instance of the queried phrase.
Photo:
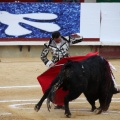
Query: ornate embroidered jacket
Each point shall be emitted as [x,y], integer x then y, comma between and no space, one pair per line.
[58,51]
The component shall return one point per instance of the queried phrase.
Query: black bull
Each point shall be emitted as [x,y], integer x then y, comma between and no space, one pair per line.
[92,77]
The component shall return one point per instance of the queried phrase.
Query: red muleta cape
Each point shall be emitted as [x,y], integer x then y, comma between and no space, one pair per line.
[48,76]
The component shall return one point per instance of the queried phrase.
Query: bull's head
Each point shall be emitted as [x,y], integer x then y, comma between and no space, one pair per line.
[61,79]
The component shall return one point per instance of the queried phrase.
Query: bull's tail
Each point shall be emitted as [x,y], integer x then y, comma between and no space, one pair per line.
[111,77]
[109,88]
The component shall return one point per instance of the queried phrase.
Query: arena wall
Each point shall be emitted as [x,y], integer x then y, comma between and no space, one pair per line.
[35,51]
[100,32]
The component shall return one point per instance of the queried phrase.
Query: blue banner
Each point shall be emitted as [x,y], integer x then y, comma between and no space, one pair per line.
[38,20]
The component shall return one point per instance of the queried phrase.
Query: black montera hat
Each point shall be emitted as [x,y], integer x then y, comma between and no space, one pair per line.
[56,34]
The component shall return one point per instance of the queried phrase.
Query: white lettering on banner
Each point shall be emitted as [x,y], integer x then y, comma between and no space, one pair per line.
[13,20]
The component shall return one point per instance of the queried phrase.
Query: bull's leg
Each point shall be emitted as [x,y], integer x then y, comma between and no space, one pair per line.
[100,109]
[91,99]
[38,105]
[92,102]
[66,103]
[104,103]
[71,96]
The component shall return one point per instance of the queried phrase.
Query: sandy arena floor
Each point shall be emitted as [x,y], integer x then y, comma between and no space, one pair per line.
[20,91]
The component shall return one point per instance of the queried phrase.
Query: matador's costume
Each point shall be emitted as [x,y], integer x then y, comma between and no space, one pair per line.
[59,50]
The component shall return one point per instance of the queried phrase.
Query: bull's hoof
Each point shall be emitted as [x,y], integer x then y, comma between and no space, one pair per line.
[93,109]
[98,111]
[68,116]
[36,108]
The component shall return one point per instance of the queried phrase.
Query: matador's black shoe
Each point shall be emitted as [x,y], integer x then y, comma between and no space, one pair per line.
[59,107]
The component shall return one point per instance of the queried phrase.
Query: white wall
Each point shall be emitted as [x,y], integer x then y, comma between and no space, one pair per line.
[109,28]
[90,20]
[110,24]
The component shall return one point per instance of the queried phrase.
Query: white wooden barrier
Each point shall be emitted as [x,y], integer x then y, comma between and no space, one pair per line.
[84,43]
